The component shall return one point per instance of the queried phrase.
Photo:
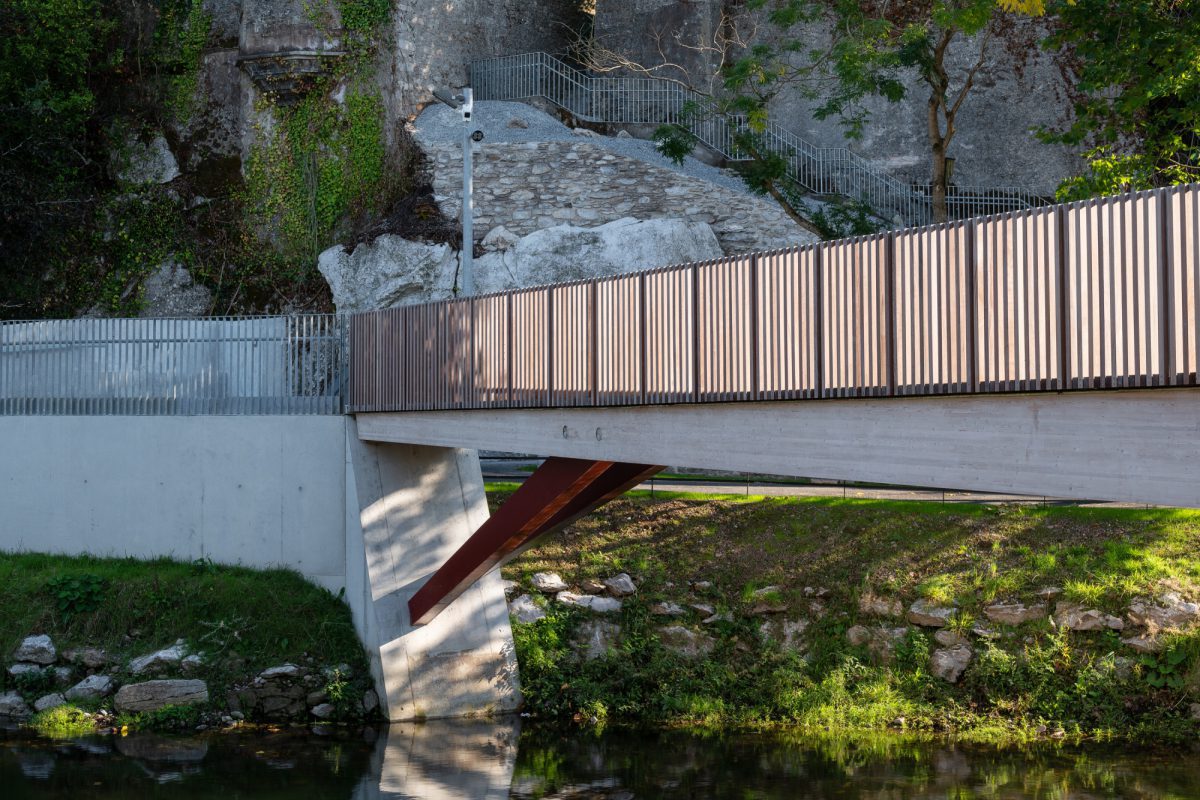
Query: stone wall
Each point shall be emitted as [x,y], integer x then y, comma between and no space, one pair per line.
[1021,88]
[533,185]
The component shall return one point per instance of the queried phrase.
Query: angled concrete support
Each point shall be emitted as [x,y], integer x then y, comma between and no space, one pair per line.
[415,507]
[560,491]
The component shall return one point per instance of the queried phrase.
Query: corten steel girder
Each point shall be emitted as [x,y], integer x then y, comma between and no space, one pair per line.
[559,492]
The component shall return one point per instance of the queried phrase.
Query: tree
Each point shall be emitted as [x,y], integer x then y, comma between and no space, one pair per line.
[1139,72]
[870,46]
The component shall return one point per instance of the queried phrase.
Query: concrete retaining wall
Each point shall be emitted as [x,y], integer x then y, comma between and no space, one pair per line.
[268,491]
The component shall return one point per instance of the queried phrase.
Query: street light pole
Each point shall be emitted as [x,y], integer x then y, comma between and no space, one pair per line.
[468,199]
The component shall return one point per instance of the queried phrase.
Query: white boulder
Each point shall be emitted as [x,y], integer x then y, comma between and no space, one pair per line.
[160,659]
[93,687]
[549,582]
[36,650]
[526,610]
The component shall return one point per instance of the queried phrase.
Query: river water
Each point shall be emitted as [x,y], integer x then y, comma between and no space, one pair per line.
[461,760]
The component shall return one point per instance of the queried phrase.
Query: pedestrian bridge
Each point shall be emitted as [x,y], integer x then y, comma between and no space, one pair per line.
[1047,351]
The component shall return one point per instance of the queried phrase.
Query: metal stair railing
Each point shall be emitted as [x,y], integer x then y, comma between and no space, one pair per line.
[822,171]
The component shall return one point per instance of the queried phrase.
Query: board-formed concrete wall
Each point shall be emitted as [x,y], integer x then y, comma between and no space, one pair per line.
[279,491]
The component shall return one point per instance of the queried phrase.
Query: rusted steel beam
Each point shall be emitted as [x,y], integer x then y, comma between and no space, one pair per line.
[560,491]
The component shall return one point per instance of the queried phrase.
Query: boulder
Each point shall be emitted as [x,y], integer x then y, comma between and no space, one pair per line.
[620,585]
[16,670]
[170,291]
[768,600]
[685,641]
[880,642]
[1170,613]
[603,605]
[510,587]
[788,632]
[323,710]
[148,162]
[291,671]
[89,657]
[1014,613]
[1077,618]
[667,609]
[153,695]
[548,582]
[591,586]
[49,701]
[191,663]
[1144,643]
[161,659]
[929,614]
[36,650]
[597,637]
[703,608]
[526,610]
[392,271]
[701,586]
[92,687]
[949,663]
[948,638]
[869,603]
[715,618]
[13,706]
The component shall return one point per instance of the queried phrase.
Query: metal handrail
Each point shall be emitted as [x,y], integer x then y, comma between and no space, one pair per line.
[822,171]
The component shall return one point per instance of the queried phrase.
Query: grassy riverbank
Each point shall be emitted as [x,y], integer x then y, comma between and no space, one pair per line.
[240,621]
[1034,679]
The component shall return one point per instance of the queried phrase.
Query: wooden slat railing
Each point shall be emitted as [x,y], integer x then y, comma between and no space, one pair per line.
[1095,294]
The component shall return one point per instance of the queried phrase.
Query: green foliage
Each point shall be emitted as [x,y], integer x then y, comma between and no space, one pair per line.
[77,594]
[167,719]
[62,722]
[1166,670]
[180,37]
[840,221]
[34,682]
[1140,114]
[363,16]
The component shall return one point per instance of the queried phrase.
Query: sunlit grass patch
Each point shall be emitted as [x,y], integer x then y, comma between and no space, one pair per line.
[62,722]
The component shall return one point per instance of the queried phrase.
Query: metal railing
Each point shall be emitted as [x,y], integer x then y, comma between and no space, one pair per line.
[824,171]
[1097,294]
[218,365]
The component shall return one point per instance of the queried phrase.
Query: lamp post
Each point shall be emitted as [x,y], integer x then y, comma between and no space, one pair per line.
[464,103]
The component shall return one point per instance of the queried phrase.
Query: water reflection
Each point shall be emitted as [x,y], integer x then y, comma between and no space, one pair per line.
[480,760]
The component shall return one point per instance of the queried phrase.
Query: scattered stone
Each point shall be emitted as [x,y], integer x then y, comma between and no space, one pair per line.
[592,587]
[787,632]
[715,618]
[370,701]
[63,676]
[768,600]
[950,663]
[49,701]
[667,609]
[930,615]
[36,650]
[161,659]
[316,698]
[603,605]
[526,610]
[1075,617]
[1048,593]
[323,711]
[880,642]
[948,638]
[285,671]
[816,591]
[620,585]
[685,641]
[510,587]
[14,706]
[1014,613]
[870,603]
[191,663]
[704,608]
[25,669]
[548,582]
[1171,613]
[701,586]
[984,632]
[153,695]
[597,637]
[1144,643]
[92,687]
[90,657]
[585,132]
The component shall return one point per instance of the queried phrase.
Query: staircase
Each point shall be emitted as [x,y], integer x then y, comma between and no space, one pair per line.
[821,171]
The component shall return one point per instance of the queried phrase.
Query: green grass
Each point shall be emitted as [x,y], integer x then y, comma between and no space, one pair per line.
[967,555]
[243,620]
[62,722]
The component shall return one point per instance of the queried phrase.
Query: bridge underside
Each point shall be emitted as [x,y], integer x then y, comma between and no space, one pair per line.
[1128,445]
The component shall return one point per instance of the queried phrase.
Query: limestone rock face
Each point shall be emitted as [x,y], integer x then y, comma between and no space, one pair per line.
[930,615]
[685,641]
[92,687]
[550,582]
[950,663]
[1014,613]
[392,271]
[153,695]
[525,610]
[149,162]
[36,650]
